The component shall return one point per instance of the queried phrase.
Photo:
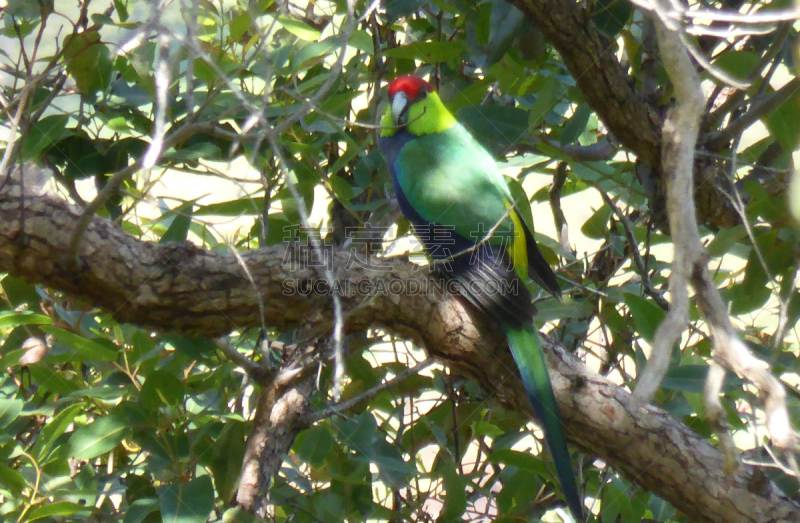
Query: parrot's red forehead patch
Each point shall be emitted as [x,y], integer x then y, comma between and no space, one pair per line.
[411,85]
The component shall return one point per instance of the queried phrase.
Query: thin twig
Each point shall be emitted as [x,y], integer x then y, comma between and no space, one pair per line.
[337,408]
[562,228]
[635,254]
[256,371]
[757,111]
[162,80]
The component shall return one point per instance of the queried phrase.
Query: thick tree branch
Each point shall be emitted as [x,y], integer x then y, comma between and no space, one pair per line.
[590,58]
[180,287]
[278,419]
[604,82]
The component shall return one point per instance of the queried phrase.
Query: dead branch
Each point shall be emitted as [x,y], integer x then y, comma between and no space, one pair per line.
[690,263]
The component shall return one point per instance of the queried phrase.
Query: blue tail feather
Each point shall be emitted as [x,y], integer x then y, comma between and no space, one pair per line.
[526,347]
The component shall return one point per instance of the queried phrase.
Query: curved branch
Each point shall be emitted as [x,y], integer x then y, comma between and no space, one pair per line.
[180,287]
[591,60]
[607,88]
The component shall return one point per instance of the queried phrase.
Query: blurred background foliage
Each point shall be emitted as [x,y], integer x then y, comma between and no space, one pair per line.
[102,421]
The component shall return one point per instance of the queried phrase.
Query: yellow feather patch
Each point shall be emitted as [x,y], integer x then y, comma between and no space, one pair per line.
[428,116]
[518,248]
[387,123]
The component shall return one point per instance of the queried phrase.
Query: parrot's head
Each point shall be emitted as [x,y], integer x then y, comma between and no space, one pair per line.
[415,106]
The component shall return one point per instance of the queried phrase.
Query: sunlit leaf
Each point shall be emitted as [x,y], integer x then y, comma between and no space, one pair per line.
[646,315]
[56,509]
[299,28]
[187,502]
[14,319]
[9,410]
[98,437]
[85,348]
[428,52]
[43,134]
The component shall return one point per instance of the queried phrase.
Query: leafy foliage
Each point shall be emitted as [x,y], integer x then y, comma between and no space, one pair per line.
[114,422]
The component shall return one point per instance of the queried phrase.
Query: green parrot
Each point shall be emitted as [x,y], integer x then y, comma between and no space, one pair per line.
[450,189]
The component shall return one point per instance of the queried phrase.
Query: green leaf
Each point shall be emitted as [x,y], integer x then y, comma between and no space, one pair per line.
[140,509]
[522,204]
[362,41]
[611,16]
[226,465]
[398,8]
[19,291]
[483,25]
[546,99]
[312,53]
[359,433]
[79,156]
[341,189]
[85,348]
[88,61]
[26,9]
[43,134]
[593,171]
[55,509]
[484,428]
[455,501]
[15,319]
[52,381]
[300,29]
[521,460]
[193,347]
[12,480]
[9,410]
[428,52]
[552,310]
[692,378]
[724,239]
[576,124]
[98,437]
[393,469]
[661,510]
[190,502]
[784,122]
[646,315]
[55,428]
[239,26]
[739,64]
[242,207]
[496,127]
[162,388]
[313,445]
[743,300]
[596,227]
[518,491]
[328,507]
[178,229]
[615,504]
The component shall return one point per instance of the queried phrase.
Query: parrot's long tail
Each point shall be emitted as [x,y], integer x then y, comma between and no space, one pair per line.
[526,347]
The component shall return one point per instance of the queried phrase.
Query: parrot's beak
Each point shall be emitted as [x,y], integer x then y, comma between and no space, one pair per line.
[400,108]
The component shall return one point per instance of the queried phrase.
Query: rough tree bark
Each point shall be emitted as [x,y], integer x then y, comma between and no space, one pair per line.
[179,287]
[278,419]
[635,122]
